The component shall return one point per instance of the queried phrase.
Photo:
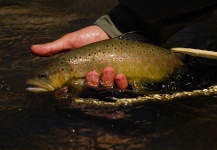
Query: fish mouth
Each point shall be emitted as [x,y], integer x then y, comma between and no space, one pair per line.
[39,86]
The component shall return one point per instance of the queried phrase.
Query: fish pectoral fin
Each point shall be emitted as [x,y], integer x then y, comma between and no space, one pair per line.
[68,91]
[137,85]
[61,93]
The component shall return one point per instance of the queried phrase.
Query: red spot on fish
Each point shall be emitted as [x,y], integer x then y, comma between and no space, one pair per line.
[75,65]
[146,68]
[121,59]
[94,68]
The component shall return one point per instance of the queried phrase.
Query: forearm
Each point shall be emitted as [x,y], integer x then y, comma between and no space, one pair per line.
[108,26]
[158,19]
[121,20]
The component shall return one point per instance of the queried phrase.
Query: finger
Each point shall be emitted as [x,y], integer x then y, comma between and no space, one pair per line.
[92,79]
[121,82]
[108,77]
[64,43]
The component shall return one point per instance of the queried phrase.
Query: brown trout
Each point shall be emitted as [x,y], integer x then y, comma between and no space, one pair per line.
[139,62]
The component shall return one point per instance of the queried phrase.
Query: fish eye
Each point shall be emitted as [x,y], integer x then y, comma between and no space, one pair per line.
[42,75]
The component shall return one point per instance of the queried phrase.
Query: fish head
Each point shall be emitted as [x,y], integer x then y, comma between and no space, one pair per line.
[49,78]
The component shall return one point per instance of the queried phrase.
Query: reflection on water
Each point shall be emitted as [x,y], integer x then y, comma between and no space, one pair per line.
[42,122]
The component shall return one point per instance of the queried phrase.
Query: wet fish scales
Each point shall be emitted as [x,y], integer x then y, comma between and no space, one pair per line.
[140,62]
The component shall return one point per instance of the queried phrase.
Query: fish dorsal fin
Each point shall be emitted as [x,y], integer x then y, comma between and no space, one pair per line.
[138,36]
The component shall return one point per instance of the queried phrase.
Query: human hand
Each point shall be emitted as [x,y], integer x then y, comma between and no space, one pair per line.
[71,41]
[77,39]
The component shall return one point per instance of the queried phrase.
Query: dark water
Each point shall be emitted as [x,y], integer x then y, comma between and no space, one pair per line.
[29,121]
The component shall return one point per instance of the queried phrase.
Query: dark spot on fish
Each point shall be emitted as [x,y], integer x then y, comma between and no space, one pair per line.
[61,62]
[89,54]
[151,50]
[51,66]
[75,57]
[107,46]
[99,50]
[69,60]
[64,58]
[121,43]
[62,69]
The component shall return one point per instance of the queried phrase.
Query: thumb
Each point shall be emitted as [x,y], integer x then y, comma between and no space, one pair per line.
[72,40]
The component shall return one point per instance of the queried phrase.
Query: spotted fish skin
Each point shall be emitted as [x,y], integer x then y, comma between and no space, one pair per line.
[140,62]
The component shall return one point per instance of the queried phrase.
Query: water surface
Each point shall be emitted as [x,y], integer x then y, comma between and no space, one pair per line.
[29,121]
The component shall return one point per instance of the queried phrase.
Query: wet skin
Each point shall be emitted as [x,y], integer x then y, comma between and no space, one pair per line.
[77,39]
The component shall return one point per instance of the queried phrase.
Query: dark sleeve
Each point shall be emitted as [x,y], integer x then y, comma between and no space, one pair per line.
[158,19]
